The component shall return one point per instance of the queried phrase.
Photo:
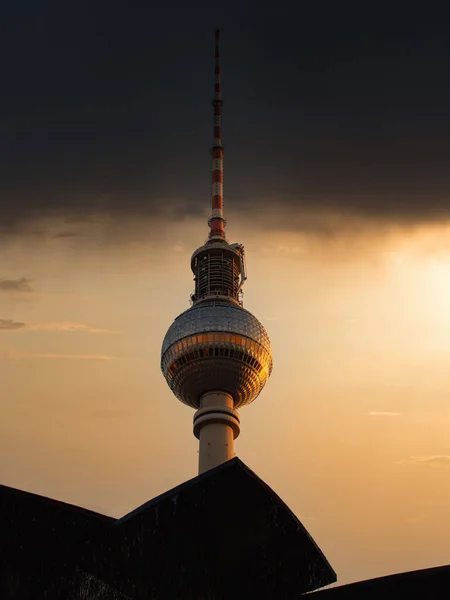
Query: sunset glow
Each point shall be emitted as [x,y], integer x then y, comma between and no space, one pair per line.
[358,442]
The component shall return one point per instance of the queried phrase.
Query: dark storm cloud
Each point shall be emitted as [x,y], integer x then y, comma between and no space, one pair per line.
[10,325]
[15,285]
[107,110]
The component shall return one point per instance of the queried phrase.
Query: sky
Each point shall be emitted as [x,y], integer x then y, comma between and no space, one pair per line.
[337,143]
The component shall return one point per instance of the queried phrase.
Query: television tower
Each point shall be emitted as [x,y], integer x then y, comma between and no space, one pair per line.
[216,356]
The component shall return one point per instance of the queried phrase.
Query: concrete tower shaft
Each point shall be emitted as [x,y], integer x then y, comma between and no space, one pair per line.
[216,426]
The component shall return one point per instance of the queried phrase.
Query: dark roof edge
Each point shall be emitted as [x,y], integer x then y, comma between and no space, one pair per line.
[176,490]
[384,579]
[294,516]
[63,505]
[230,464]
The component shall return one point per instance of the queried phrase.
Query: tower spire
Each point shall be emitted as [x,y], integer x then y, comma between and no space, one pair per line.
[216,221]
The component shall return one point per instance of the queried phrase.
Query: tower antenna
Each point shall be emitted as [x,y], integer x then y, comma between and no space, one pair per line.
[217,221]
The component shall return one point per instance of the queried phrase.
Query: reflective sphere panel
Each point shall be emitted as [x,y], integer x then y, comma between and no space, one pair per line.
[216,346]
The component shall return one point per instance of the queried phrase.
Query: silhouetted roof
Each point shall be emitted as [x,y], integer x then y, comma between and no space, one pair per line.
[41,542]
[223,535]
[429,584]
[224,532]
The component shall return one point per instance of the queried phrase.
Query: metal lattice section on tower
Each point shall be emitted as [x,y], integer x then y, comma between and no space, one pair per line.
[219,272]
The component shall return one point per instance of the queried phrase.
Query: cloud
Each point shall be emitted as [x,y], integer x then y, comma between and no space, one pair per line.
[68,326]
[382,413]
[102,357]
[436,460]
[124,222]
[355,150]
[21,285]
[63,326]
[10,325]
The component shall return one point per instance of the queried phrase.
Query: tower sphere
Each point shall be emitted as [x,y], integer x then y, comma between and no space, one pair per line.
[216,345]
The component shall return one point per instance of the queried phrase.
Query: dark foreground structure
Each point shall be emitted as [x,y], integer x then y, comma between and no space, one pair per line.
[224,534]
[199,541]
[426,584]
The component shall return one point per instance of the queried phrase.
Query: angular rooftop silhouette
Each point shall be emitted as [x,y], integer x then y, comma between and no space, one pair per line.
[222,535]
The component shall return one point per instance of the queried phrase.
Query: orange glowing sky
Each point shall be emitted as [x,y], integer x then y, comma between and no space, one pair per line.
[352,430]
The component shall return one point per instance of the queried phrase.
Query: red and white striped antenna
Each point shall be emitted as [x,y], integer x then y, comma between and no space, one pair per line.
[217,221]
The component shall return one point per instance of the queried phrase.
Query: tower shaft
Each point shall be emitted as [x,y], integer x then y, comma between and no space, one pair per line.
[216,425]
[217,221]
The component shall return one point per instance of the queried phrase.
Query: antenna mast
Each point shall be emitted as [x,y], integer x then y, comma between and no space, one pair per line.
[217,221]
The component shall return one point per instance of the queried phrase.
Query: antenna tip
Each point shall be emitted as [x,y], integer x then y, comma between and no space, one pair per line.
[217,33]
